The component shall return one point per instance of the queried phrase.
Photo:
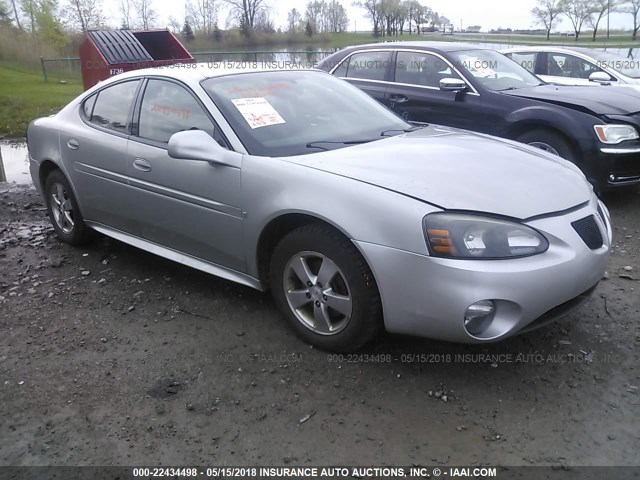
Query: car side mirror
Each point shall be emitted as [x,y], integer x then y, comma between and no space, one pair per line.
[453,85]
[199,146]
[600,77]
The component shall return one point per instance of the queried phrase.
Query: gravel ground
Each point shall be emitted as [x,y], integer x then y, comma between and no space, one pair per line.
[112,356]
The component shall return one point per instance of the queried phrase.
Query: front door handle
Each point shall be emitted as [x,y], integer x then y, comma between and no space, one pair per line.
[398,98]
[142,165]
[73,144]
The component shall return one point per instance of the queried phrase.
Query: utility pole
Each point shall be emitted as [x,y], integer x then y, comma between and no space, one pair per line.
[3,177]
[608,16]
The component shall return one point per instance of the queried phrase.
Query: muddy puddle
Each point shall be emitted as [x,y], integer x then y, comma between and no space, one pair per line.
[15,160]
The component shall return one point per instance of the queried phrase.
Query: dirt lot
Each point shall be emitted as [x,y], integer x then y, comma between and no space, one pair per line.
[112,356]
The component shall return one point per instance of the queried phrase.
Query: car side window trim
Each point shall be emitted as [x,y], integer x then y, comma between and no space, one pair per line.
[138,109]
[543,62]
[348,59]
[96,94]
[473,91]
[435,54]
[394,53]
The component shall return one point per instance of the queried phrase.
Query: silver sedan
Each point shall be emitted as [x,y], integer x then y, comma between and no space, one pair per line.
[298,183]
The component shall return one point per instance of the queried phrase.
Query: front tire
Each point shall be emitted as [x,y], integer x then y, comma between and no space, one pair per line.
[325,289]
[64,212]
[548,141]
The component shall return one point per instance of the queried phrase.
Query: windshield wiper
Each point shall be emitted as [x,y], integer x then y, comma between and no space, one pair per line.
[333,142]
[388,133]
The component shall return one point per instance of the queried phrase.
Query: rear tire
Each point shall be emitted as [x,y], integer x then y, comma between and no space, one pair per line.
[548,141]
[325,289]
[64,212]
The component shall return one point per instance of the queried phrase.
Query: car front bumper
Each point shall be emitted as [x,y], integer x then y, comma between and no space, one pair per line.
[428,296]
[620,166]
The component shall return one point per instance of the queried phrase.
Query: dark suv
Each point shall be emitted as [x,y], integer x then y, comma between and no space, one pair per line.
[464,86]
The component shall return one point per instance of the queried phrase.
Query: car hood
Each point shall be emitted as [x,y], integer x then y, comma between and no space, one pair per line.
[601,101]
[459,170]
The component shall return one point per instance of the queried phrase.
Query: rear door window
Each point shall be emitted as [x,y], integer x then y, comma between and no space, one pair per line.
[365,66]
[527,60]
[112,107]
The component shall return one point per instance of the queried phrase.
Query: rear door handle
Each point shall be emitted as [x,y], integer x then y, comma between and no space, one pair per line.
[398,98]
[142,165]
[73,144]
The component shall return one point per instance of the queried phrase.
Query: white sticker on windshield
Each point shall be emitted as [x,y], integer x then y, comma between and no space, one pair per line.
[258,112]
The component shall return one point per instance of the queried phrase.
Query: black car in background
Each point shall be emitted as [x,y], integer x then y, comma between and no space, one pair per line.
[479,89]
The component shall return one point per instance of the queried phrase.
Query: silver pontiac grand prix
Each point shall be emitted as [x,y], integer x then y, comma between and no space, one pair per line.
[298,182]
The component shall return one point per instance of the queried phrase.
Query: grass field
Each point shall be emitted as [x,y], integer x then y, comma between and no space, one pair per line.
[24,95]
[340,40]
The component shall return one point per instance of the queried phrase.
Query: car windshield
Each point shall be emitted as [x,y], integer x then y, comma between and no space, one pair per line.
[493,70]
[626,66]
[285,113]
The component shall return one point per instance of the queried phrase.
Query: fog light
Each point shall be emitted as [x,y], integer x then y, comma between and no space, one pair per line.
[479,316]
[613,178]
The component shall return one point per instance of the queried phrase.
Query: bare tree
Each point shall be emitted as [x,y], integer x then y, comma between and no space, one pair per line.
[422,14]
[4,14]
[373,11]
[413,7]
[30,9]
[323,16]
[314,15]
[246,12]
[175,24]
[16,15]
[578,11]
[634,9]
[546,13]
[146,13]
[263,22]
[125,12]
[84,14]
[336,19]
[601,9]
[203,14]
[294,21]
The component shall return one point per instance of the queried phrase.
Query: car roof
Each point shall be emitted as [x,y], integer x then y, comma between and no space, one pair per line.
[550,48]
[439,46]
[197,72]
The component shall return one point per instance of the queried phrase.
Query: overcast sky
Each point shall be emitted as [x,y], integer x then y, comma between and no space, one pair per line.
[489,14]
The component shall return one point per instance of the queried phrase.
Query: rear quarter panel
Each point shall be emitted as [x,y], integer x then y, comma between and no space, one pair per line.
[43,142]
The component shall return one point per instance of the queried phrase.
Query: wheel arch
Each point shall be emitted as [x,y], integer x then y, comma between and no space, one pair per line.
[276,229]
[523,126]
[45,169]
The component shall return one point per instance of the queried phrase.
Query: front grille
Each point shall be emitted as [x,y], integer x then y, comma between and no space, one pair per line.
[589,232]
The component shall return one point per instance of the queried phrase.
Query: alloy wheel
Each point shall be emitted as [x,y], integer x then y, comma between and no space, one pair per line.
[62,208]
[317,293]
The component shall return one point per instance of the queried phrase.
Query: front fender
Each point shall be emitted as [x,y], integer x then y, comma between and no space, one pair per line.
[362,212]
[540,116]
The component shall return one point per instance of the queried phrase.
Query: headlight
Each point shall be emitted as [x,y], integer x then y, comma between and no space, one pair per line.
[465,236]
[614,134]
